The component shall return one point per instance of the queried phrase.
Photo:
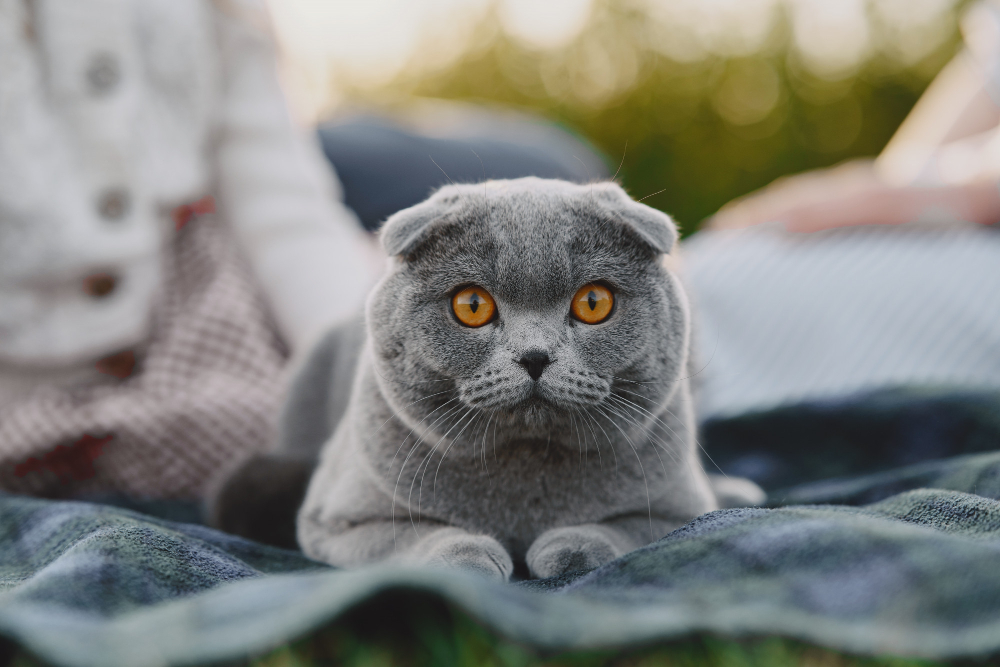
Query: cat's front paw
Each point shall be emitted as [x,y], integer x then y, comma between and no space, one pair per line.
[572,548]
[476,553]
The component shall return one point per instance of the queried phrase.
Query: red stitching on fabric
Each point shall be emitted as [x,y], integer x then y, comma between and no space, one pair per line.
[67,462]
[184,212]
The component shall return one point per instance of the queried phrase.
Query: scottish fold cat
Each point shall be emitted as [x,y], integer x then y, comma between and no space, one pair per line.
[522,393]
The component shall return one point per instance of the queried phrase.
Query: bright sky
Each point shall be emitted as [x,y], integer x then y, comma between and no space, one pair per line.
[370,40]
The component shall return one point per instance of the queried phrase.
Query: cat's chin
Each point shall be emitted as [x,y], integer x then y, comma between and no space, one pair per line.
[537,410]
[535,415]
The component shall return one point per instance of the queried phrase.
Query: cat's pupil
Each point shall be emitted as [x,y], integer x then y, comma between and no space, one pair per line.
[592,299]
[474,303]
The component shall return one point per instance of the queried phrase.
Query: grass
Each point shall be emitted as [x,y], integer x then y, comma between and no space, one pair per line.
[394,630]
[408,631]
[686,151]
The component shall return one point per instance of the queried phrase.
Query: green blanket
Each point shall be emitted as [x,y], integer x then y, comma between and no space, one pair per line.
[916,574]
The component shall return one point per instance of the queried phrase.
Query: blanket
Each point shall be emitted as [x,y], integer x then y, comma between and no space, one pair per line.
[911,574]
[853,435]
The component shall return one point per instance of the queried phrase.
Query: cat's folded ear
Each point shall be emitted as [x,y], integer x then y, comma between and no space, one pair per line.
[405,230]
[654,228]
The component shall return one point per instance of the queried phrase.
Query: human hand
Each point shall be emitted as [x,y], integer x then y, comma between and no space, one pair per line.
[842,195]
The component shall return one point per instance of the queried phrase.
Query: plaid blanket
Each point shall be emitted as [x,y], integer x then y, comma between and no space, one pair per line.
[913,574]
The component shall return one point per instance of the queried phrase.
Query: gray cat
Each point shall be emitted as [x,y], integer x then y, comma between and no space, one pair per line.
[522,395]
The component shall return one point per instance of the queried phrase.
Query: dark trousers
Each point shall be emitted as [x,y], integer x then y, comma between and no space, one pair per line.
[385,167]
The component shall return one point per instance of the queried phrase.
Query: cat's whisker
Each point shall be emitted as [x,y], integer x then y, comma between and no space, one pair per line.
[395,488]
[486,436]
[626,417]
[495,460]
[652,195]
[702,448]
[648,412]
[666,427]
[579,445]
[663,424]
[458,437]
[442,170]
[396,414]
[621,379]
[486,431]
[581,435]
[645,482]
[620,164]
[474,438]
[606,437]
[425,464]
[601,409]
[581,439]
[642,396]
[614,450]
[422,466]
[656,421]
[413,448]
[597,444]
[631,420]
[407,437]
[629,407]
[428,458]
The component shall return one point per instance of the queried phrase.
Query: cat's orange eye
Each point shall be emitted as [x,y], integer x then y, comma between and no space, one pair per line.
[592,303]
[473,306]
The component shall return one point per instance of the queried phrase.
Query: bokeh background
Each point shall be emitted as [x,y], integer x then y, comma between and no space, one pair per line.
[699,101]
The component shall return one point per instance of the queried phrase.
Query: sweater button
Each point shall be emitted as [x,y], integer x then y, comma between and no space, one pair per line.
[103,73]
[99,285]
[113,204]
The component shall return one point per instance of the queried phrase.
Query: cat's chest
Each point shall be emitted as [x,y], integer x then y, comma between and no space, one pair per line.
[520,490]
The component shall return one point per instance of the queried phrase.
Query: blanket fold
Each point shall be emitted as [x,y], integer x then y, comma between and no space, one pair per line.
[913,575]
[883,537]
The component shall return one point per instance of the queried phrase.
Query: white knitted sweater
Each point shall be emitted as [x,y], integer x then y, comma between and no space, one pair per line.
[114,112]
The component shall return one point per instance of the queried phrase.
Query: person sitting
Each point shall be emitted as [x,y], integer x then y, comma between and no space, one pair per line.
[167,236]
[869,274]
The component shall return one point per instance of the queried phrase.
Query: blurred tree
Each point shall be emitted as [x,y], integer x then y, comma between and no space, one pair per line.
[708,113]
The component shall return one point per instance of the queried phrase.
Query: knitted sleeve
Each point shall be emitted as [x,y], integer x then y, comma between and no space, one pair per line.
[308,250]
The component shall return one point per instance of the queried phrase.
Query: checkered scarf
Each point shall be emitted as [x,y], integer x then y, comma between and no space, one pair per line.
[204,391]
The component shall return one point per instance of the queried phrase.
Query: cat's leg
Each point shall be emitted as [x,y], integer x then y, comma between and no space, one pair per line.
[259,498]
[454,547]
[571,548]
[736,491]
[430,544]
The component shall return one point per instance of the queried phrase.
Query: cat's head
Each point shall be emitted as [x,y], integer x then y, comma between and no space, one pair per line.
[527,302]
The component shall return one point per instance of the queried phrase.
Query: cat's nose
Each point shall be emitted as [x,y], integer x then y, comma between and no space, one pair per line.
[535,362]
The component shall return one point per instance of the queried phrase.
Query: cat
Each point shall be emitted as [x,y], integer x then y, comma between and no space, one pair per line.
[521,395]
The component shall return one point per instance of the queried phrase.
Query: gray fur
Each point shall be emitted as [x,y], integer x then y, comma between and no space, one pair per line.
[450,453]
[260,497]
[320,391]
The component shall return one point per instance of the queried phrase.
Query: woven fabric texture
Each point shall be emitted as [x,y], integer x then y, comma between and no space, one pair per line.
[203,392]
